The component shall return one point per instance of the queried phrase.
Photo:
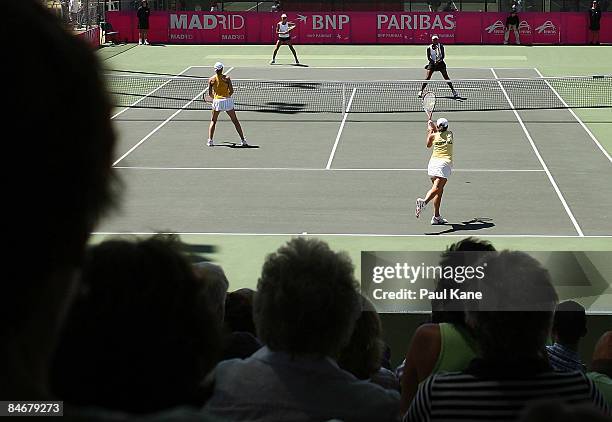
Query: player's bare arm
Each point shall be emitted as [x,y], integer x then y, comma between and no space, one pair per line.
[431,133]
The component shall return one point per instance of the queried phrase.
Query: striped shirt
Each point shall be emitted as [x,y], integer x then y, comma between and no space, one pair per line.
[562,358]
[489,392]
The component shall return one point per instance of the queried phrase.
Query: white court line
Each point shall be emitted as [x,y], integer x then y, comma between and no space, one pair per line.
[162,124]
[326,169]
[545,236]
[346,113]
[544,166]
[151,93]
[603,150]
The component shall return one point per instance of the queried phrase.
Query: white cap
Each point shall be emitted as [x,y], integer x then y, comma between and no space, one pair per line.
[434,37]
[442,122]
[218,66]
[283,15]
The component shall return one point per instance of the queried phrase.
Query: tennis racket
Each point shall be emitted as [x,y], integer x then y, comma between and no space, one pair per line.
[429,103]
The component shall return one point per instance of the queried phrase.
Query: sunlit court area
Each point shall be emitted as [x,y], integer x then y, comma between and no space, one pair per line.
[302,210]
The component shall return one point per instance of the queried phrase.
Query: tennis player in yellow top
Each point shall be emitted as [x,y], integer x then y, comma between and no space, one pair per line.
[220,89]
[440,166]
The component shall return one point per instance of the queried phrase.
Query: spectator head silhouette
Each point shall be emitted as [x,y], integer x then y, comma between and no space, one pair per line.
[61,126]
[307,300]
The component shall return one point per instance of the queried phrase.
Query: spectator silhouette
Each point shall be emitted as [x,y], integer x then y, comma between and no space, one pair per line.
[141,336]
[61,194]
[305,309]
[557,411]
[510,324]
[601,366]
[241,341]
[569,327]
[215,285]
[239,311]
[363,355]
[446,344]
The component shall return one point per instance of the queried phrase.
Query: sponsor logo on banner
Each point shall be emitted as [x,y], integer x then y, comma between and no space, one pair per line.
[181,37]
[415,27]
[547,28]
[415,21]
[356,27]
[496,28]
[206,22]
[524,27]
[326,26]
[326,22]
[499,28]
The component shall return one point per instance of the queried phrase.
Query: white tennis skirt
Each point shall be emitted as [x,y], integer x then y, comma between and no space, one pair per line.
[223,104]
[439,168]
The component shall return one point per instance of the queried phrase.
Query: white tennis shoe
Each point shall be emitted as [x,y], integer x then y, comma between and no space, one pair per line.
[420,94]
[244,143]
[210,143]
[420,204]
[272,61]
[436,221]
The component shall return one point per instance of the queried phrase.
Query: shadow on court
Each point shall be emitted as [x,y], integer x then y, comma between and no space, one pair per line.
[233,145]
[477,223]
[290,64]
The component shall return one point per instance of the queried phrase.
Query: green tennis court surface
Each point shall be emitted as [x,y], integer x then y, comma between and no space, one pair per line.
[533,180]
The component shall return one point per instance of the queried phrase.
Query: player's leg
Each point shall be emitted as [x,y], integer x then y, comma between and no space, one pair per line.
[211,128]
[435,195]
[516,35]
[437,187]
[427,77]
[278,44]
[506,35]
[293,51]
[145,34]
[437,199]
[232,115]
[447,78]
[596,37]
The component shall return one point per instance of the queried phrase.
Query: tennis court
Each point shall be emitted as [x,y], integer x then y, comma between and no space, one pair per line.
[517,173]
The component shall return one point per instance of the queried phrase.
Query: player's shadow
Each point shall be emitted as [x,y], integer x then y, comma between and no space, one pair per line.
[477,223]
[290,64]
[235,145]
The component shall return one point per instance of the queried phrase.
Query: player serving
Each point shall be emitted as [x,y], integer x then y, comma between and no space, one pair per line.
[439,168]
[435,56]
[283,30]
[220,90]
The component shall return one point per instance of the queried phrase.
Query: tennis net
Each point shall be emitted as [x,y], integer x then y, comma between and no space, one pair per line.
[300,96]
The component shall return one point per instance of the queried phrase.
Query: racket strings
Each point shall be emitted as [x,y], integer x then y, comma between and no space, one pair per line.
[429,102]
